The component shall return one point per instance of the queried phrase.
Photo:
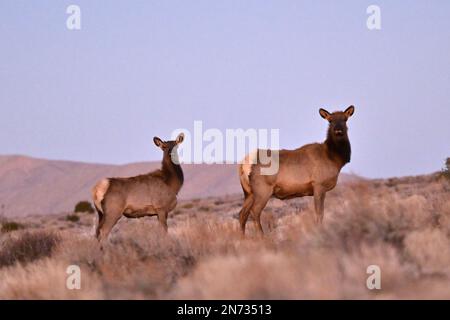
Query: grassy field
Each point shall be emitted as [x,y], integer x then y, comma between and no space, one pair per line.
[400,224]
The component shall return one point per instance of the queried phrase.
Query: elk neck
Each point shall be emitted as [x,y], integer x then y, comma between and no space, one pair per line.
[339,149]
[172,172]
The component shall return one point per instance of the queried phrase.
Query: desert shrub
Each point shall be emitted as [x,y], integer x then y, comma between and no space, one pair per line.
[177,212]
[45,279]
[391,182]
[28,247]
[366,219]
[188,206]
[305,274]
[84,206]
[430,250]
[9,226]
[72,218]
[204,208]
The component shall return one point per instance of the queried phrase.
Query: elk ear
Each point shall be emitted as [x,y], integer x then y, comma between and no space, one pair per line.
[158,142]
[180,138]
[349,111]
[324,114]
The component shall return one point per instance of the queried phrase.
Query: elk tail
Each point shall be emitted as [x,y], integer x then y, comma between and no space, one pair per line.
[244,170]
[98,194]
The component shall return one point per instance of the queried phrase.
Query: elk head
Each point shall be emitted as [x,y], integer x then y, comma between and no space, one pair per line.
[337,120]
[169,147]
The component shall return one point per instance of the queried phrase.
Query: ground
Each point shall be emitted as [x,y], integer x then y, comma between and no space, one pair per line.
[401,225]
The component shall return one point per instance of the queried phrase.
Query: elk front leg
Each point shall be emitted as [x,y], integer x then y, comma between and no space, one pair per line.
[319,200]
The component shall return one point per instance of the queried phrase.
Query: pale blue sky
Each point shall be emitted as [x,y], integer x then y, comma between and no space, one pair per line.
[143,68]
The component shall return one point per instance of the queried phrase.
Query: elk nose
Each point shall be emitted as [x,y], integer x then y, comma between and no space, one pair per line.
[339,132]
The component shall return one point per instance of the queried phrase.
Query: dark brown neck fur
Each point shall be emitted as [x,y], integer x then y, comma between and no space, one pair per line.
[172,173]
[340,149]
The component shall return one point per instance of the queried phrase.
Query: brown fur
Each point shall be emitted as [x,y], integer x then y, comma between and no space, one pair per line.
[311,170]
[149,194]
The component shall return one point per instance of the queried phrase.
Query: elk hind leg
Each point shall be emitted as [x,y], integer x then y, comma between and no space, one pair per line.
[112,213]
[109,223]
[245,212]
[258,206]
[101,221]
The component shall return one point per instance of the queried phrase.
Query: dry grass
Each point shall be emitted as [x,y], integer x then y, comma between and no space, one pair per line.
[9,226]
[27,247]
[401,225]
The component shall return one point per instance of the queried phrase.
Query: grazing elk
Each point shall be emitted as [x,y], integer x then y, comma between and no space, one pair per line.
[152,194]
[311,170]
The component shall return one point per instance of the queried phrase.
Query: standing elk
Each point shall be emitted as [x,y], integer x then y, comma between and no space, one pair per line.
[152,194]
[311,170]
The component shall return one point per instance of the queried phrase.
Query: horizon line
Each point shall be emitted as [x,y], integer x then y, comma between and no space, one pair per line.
[158,161]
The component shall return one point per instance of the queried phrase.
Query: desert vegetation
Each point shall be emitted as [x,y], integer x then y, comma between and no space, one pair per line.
[84,207]
[400,224]
[72,217]
[8,226]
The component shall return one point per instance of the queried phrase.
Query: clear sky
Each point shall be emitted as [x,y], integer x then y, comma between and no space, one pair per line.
[142,68]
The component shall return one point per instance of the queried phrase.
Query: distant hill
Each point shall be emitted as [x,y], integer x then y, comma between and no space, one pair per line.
[37,186]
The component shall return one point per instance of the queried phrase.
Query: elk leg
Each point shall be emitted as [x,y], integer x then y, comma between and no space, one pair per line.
[245,212]
[319,200]
[162,217]
[101,221]
[257,208]
[110,220]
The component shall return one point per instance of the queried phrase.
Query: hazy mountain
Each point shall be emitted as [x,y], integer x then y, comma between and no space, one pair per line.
[38,186]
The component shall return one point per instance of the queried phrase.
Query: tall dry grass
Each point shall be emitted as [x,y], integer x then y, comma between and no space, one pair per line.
[402,225]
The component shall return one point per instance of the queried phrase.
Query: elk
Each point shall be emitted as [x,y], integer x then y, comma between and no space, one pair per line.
[311,170]
[152,194]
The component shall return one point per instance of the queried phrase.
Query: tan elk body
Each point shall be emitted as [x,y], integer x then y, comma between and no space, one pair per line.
[311,170]
[149,194]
